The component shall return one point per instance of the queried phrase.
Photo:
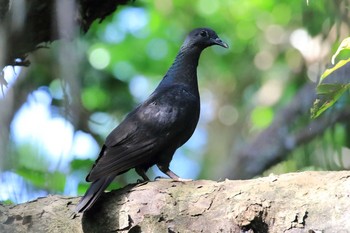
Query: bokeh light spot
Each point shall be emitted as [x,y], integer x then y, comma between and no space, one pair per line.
[275,34]
[123,71]
[94,98]
[133,20]
[270,92]
[261,117]
[56,90]
[139,87]
[264,60]
[99,58]
[208,7]
[228,115]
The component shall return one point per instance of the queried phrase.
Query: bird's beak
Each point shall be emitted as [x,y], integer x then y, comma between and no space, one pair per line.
[219,42]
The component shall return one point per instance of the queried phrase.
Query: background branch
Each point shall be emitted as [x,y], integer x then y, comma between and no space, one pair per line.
[291,128]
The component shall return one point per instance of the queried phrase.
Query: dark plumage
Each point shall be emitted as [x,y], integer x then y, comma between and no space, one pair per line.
[152,132]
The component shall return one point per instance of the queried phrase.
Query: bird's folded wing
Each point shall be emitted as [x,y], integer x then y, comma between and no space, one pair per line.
[119,159]
[144,132]
[125,131]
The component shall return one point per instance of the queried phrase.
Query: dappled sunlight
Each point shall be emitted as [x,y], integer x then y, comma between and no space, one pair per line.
[77,91]
[54,144]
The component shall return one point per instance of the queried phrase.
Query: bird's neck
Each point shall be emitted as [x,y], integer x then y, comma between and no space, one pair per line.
[184,69]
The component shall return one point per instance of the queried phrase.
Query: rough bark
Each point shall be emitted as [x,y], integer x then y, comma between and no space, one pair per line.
[295,202]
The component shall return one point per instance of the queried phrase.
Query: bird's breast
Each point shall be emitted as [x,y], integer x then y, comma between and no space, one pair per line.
[177,108]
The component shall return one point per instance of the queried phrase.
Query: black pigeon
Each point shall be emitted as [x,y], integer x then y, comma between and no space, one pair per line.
[152,132]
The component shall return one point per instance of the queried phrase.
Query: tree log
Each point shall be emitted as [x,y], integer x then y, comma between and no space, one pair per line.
[295,202]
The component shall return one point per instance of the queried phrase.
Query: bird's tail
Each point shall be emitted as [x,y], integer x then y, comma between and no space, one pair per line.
[93,193]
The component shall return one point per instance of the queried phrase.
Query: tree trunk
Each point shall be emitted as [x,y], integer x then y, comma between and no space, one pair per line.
[27,25]
[295,202]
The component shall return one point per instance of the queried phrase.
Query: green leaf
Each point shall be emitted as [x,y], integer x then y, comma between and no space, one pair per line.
[329,94]
[331,91]
[344,45]
[334,68]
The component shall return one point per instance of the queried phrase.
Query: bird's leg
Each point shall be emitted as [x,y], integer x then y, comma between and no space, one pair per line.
[171,174]
[142,173]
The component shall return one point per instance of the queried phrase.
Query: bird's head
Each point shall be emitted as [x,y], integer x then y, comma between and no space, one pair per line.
[202,38]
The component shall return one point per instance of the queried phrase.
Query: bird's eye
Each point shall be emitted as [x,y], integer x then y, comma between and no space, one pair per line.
[204,33]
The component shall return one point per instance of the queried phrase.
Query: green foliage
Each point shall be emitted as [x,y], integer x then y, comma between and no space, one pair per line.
[330,89]
[7,202]
[262,117]
[319,16]
[82,187]
[343,47]
[43,180]
[77,164]
[330,94]
[94,98]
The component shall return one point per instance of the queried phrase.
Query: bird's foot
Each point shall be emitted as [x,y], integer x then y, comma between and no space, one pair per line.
[172,175]
[74,215]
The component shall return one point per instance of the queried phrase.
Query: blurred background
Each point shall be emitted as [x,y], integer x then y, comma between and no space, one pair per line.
[255,96]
